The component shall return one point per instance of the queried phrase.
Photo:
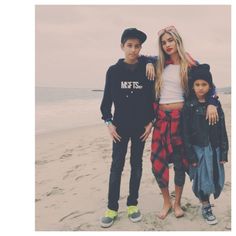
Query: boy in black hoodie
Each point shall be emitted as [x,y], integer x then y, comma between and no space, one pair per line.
[131,93]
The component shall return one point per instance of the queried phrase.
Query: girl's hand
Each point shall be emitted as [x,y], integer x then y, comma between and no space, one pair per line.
[212,114]
[150,71]
[222,162]
[112,130]
[194,164]
[146,133]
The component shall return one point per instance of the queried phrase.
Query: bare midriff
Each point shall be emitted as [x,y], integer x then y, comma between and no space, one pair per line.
[171,106]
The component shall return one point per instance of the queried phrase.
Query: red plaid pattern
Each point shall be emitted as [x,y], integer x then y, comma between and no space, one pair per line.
[166,135]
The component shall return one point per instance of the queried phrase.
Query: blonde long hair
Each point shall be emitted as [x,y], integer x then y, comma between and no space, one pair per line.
[185,62]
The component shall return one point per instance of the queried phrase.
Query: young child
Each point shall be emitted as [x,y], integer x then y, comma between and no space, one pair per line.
[131,93]
[206,146]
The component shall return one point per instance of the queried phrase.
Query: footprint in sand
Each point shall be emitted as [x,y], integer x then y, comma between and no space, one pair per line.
[192,209]
[67,154]
[67,174]
[81,176]
[150,223]
[55,191]
[75,214]
[41,162]
[95,177]
[84,227]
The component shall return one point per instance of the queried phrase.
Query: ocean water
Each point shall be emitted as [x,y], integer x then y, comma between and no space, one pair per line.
[65,108]
[55,95]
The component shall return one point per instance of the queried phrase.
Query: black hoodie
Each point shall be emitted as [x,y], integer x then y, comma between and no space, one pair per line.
[132,95]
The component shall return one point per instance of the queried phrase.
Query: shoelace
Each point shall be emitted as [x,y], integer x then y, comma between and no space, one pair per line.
[208,211]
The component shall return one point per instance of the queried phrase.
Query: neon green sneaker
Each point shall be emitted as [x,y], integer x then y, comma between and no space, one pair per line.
[134,214]
[109,218]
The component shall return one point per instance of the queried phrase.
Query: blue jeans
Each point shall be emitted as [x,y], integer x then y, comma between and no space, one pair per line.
[119,151]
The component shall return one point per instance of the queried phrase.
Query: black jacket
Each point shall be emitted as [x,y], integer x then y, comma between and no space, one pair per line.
[197,131]
[132,95]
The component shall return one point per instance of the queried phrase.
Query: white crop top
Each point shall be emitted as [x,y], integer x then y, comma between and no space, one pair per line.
[171,91]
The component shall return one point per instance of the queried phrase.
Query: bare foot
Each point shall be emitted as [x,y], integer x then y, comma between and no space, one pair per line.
[164,212]
[178,211]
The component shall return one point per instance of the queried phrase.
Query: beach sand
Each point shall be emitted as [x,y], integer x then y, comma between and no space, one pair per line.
[72,169]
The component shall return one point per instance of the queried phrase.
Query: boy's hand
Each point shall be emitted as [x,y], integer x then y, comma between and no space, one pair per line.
[150,71]
[146,133]
[112,130]
[194,164]
[212,114]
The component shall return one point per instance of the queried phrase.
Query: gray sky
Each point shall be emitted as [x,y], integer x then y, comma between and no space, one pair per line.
[75,45]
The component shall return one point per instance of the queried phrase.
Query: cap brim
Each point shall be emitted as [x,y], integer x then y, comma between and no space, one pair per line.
[134,34]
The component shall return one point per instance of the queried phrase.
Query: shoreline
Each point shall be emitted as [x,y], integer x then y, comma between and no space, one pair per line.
[67,130]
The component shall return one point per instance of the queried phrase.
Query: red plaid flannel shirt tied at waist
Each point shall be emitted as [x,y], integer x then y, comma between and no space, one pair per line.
[166,135]
[166,132]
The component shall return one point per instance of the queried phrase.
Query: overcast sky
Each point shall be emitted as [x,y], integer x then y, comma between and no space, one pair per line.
[75,45]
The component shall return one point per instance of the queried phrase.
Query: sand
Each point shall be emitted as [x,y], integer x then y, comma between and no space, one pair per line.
[72,170]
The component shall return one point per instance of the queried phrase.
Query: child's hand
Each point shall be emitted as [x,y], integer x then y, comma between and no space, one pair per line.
[194,164]
[145,135]
[112,130]
[150,71]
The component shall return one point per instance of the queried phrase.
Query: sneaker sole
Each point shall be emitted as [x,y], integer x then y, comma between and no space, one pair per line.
[136,219]
[107,225]
[103,225]
[212,222]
